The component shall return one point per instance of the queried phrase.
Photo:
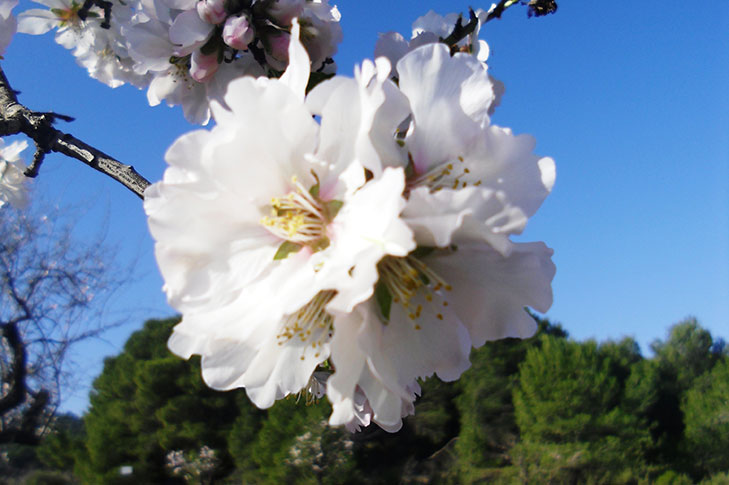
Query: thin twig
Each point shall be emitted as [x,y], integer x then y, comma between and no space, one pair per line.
[16,118]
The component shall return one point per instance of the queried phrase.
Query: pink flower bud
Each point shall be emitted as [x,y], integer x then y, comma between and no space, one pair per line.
[238,32]
[203,67]
[278,46]
[211,11]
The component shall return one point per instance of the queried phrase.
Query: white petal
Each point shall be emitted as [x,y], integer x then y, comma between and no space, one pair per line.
[36,21]
[440,89]
[189,29]
[296,75]
[367,228]
[391,45]
[490,291]
[475,213]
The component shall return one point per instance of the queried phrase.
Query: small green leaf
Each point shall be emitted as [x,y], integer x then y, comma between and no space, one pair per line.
[383,297]
[286,248]
[333,207]
[320,244]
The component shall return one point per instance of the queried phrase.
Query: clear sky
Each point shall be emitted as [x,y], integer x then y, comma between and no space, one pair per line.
[633,105]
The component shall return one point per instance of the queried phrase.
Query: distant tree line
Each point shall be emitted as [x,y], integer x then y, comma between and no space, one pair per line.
[542,410]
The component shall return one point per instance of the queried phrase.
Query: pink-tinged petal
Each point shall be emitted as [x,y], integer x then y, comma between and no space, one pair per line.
[238,32]
[212,11]
[203,67]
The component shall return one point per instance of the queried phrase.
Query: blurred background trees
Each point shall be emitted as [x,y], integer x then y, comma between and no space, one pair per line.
[542,410]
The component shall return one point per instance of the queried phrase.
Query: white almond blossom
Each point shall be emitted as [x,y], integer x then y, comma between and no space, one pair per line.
[377,240]
[13,183]
[473,295]
[101,51]
[189,59]
[8,24]
[179,49]
[470,173]
[281,232]
[431,29]
[72,32]
[470,186]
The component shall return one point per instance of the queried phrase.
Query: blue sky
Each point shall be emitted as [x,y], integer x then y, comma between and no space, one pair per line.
[633,105]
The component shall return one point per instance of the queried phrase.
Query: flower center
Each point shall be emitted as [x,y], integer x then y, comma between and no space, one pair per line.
[452,175]
[181,70]
[401,279]
[311,325]
[69,16]
[300,218]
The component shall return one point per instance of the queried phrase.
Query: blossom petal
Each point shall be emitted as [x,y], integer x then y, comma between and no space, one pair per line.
[490,291]
[36,21]
[440,88]
[189,29]
[296,76]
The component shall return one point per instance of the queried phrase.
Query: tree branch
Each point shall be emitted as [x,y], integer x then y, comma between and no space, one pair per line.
[16,395]
[16,118]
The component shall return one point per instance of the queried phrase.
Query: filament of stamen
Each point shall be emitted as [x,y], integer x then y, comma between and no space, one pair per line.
[310,324]
[445,175]
[297,217]
[404,277]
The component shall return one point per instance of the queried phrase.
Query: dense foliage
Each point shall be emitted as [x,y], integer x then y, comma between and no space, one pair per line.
[542,410]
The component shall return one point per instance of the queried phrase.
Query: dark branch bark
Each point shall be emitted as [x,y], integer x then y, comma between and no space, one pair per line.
[16,118]
[16,379]
[499,9]
[27,431]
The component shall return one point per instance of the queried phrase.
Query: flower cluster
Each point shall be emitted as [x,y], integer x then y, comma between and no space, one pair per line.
[13,183]
[193,467]
[186,51]
[353,239]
